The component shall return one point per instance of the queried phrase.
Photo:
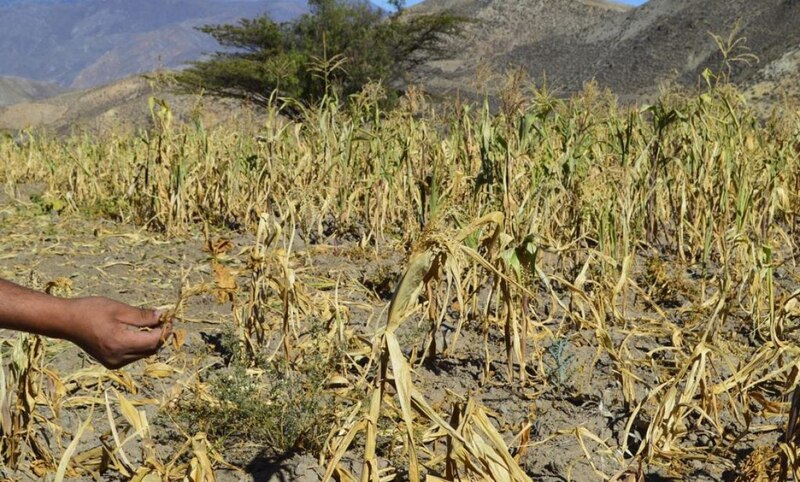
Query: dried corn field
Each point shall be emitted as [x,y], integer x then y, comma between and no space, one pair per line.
[561,290]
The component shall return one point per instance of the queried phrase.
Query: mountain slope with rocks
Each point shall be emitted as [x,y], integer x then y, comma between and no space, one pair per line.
[631,50]
[499,28]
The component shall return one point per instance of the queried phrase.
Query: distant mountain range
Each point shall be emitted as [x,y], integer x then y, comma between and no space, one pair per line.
[84,43]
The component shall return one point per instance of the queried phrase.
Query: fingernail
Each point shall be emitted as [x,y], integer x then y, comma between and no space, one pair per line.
[158,313]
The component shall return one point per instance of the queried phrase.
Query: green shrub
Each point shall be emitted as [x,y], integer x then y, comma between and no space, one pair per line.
[337,49]
[282,409]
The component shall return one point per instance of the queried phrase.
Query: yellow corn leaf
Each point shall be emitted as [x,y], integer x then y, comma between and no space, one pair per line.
[225,282]
[344,444]
[403,385]
[344,475]
[159,370]
[136,418]
[409,288]
[624,275]
[495,217]
[59,287]
[5,400]
[73,445]
[178,338]
[94,459]
[114,433]
[499,446]
[766,356]
[96,374]
[218,247]
[200,468]
[223,277]
[40,468]
[338,384]
[145,474]
[82,401]
[580,433]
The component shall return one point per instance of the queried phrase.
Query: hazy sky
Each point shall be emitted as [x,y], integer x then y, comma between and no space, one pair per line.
[412,2]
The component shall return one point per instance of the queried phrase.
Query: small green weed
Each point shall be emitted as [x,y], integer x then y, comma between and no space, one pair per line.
[280,408]
[561,364]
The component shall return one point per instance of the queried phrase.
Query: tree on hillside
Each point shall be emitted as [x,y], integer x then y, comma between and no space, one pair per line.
[338,47]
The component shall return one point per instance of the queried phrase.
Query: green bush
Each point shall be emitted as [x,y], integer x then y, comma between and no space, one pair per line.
[335,49]
[281,410]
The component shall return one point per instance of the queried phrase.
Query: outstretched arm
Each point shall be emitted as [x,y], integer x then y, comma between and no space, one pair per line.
[110,331]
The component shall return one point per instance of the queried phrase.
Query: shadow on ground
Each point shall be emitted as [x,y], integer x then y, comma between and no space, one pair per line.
[289,467]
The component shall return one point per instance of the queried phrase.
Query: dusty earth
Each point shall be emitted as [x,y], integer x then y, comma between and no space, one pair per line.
[73,256]
[574,391]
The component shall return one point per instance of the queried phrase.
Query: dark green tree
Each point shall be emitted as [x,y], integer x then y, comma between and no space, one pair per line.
[337,48]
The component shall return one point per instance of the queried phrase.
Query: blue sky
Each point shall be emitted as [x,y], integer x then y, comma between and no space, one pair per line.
[384,4]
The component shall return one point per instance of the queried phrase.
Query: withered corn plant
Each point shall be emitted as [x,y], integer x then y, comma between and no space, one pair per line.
[660,242]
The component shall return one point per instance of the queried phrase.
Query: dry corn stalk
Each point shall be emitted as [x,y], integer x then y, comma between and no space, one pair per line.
[476,449]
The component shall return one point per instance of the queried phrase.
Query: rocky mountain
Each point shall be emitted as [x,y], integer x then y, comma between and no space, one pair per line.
[84,43]
[499,28]
[17,89]
[777,82]
[631,50]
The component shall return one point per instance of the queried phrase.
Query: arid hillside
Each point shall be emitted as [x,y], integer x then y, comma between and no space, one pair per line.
[631,50]
[500,29]
[778,81]
[17,89]
[118,106]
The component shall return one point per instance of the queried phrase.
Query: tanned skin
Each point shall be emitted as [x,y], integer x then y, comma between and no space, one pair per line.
[114,333]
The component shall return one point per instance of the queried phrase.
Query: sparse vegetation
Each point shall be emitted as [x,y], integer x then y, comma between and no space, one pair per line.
[280,409]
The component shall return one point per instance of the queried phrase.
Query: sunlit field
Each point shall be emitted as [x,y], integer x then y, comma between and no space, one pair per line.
[546,290]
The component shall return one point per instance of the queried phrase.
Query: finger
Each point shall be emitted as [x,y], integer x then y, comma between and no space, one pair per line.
[144,341]
[145,318]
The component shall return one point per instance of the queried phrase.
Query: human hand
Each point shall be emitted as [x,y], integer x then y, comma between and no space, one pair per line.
[114,333]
